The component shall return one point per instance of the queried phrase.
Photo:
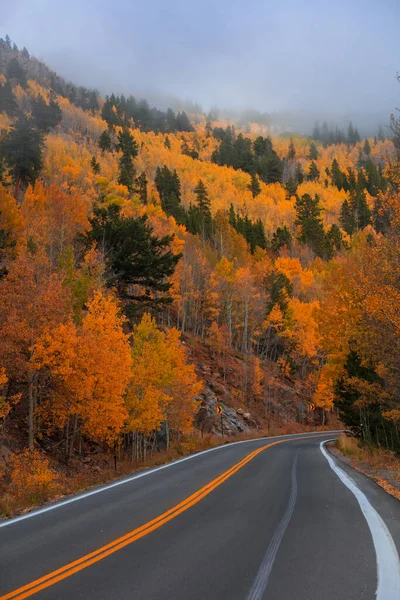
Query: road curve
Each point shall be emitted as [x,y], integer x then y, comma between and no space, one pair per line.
[274,518]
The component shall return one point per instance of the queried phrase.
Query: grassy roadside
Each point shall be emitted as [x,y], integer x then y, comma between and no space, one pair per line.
[57,481]
[380,465]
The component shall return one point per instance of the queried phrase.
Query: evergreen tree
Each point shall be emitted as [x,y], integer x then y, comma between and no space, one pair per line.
[8,103]
[325,134]
[291,187]
[313,152]
[270,169]
[360,209]
[109,112]
[316,133]
[313,172]
[280,238]
[105,142]
[367,147]
[141,187]
[347,397]
[381,134]
[46,116]
[298,174]
[280,291]
[374,179]
[381,216]
[95,165]
[351,180]
[347,220]
[129,148]
[338,178]
[254,186]
[22,151]
[16,74]
[292,151]
[204,209]
[334,240]
[169,190]
[134,256]
[182,122]
[309,221]
[203,201]
[167,143]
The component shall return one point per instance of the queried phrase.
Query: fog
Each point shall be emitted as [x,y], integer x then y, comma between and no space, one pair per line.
[305,58]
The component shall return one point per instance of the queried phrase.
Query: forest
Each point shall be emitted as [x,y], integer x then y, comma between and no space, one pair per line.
[127,231]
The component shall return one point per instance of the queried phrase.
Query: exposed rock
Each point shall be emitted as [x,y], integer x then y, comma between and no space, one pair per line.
[209,421]
[240,411]
[246,416]
[5,454]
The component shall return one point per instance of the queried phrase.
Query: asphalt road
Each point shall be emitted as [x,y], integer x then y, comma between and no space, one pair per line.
[237,522]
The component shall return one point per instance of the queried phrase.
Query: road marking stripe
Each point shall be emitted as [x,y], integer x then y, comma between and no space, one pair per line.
[387,558]
[261,581]
[110,486]
[93,557]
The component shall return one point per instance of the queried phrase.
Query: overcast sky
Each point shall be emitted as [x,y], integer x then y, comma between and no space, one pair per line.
[327,56]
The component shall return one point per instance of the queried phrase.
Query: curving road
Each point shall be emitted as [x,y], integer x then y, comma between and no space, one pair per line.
[275,518]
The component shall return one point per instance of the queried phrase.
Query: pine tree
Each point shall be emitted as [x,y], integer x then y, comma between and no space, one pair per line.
[309,221]
[46,116]
[204,208]
[280,238]
[291,187]
[8,103]
[313,152]
[105,141]
[360,209]
[16,74]
[334,239]
[141,187]
[167,143]
[203,201]
[313,172]
[254,186]
[95,165]
[316,132]
[134,256]
[338,178]
[182,122]
[292,151]
[169,189]
[367,147]
[129,148]
[347,220]
[298,174]
[381,134]
[381,216]
[280,291]
[22,151]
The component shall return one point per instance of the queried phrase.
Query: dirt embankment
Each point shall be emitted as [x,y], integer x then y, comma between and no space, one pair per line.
[380,465]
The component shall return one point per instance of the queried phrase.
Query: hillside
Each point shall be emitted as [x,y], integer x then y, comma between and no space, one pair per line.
[155,263]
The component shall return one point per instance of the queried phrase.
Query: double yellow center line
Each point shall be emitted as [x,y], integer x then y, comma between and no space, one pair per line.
[93,557]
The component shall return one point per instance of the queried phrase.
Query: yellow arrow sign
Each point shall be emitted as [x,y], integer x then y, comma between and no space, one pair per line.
[219,409]
[311,407]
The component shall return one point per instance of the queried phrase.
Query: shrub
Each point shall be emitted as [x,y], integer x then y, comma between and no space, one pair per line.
[32,479]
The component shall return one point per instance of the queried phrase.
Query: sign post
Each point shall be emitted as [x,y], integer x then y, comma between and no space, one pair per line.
[219,411]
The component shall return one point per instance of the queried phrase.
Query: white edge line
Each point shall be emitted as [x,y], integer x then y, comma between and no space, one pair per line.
[109,486]
[387,558]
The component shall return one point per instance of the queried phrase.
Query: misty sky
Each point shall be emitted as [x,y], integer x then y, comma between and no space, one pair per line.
[317,55]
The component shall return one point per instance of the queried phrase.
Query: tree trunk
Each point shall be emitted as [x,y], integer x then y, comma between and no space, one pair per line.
[167,433]
[31,408]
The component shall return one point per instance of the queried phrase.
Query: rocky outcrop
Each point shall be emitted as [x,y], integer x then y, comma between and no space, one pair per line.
[209,421]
